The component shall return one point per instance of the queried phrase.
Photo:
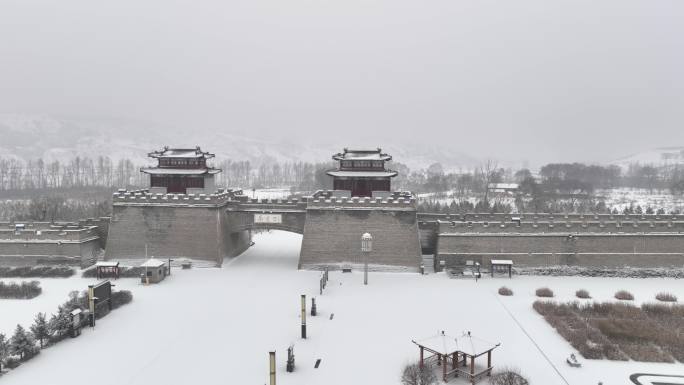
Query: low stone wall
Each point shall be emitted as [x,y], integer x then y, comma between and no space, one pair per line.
[591,249]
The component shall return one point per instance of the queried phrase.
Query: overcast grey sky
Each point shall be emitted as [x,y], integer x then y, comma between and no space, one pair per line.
[545,80]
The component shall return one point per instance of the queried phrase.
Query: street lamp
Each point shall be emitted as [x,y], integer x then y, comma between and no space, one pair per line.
[366,248]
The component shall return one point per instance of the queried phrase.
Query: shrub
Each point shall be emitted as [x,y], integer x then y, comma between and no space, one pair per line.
[544,292]
[666,297]
[413,374]
[12,363]
[508,376]
[503,290]
[25,290]
[120,298]
[582,294]
[624,295]
[37,272]
[124,272]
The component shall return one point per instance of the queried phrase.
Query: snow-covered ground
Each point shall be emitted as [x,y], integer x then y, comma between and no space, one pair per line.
[216,326]
[620,198]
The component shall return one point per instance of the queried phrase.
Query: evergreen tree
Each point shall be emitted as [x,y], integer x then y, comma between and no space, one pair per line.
[22,343]
[59,324]
[4,349]
[40,328]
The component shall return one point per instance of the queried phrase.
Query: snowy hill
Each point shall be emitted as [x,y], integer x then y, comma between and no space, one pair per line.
[50,138]
[658,157]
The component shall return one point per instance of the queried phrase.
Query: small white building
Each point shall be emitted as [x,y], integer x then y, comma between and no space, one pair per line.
[503,188]
[155,271]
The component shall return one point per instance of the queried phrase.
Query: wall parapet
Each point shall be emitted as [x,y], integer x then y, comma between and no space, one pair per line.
[562,227]
[145,197]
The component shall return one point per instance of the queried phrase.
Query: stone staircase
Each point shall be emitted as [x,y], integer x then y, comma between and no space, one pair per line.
[429,263]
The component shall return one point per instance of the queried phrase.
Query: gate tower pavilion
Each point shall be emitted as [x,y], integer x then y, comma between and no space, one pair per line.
[362,172]
[181,171]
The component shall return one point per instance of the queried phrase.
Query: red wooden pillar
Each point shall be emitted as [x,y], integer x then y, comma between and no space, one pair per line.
[472,365]
[444,366]
[465,359]
[421,357]
[454,359]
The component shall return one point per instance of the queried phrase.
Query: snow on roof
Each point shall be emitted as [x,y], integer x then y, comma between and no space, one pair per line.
[167,152]
[107,264]
[502,262]
[76,311]
[183,171]
[511,186]
[362,155]
[446,344]
[153,262]
[363,174]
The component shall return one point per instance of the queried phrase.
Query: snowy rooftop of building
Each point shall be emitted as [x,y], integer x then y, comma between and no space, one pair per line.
[153,262]
[362,155]
[446,344]
[179,171]
[502,262]
[363,174]
[167,152]
[107,264]
[507,186]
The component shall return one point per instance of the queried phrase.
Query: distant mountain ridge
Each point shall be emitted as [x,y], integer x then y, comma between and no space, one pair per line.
[52,138]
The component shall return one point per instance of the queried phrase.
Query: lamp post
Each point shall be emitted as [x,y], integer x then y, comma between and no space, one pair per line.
[366,248]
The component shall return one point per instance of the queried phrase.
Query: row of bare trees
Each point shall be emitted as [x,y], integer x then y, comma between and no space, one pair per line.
[16,174]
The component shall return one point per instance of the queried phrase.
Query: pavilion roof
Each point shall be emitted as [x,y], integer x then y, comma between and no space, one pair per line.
[107,264]
[467,344]
[363,174]
[179,171]
[167,152]
[348,154]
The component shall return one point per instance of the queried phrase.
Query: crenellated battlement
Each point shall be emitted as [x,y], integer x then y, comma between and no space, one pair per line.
[46,231]
[563,226]
[396,200]
[145,197]
[531,217]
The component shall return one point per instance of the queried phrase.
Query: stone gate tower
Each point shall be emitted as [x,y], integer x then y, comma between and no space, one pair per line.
[361,201]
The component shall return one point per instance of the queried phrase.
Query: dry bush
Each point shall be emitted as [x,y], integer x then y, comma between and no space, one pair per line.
[584,294]
[624,295]
[645,353]
[503,290]
[633,330]
[508,376]
[413,374]
[544,292]
[666,297]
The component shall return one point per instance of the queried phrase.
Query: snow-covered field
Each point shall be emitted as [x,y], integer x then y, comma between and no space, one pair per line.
[216,326]
[620,198]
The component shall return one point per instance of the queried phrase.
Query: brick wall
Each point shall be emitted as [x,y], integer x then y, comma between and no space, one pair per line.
[333,236]
[172,231]
[595,250]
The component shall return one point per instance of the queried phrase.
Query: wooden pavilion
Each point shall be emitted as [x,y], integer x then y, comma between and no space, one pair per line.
[107,269]
[456,355]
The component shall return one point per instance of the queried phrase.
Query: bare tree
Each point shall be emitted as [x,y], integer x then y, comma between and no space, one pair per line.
[413,374]
[488,173]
